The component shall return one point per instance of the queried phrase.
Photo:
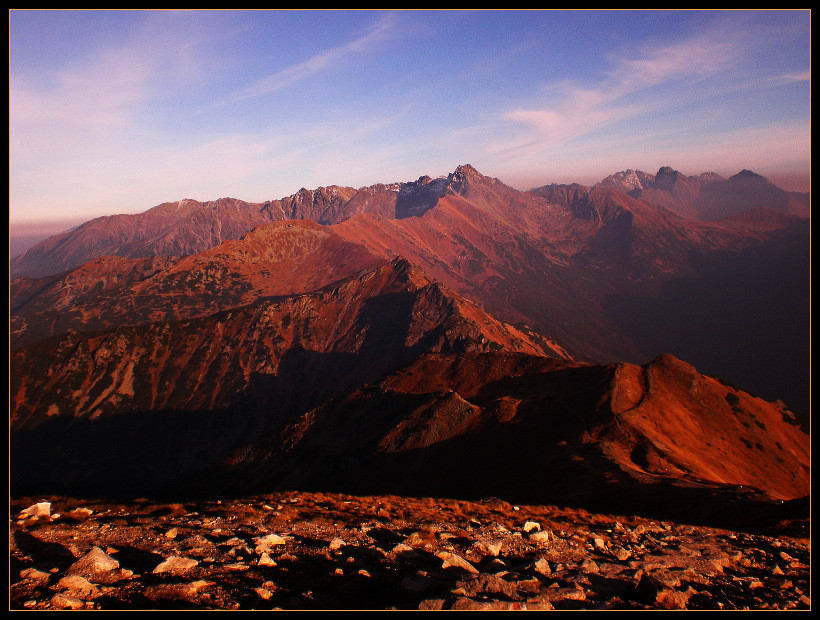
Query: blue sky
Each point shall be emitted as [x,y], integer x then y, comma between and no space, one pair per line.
[117,111]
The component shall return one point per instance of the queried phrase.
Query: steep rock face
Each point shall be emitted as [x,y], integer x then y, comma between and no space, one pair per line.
[321,205]
[623,436]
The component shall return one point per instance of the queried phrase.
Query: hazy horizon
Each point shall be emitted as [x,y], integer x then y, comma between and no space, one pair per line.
[118,111]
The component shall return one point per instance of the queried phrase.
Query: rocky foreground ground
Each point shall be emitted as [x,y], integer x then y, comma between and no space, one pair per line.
[322,551]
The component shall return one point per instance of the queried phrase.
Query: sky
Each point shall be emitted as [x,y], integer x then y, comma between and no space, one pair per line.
[118,111]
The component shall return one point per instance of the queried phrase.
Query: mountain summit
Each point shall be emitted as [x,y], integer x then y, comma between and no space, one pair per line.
[707,196]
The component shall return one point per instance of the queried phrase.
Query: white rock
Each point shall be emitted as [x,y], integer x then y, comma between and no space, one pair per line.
[488,547]
[543,537]
[542,566]
[402,548]
[265,560]
[456,561]
[40,509]
[531,525]
[266,543]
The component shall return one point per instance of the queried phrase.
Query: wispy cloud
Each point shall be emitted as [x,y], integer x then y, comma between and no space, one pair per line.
[804,76]
[96,97]
[319,62]
[576,109]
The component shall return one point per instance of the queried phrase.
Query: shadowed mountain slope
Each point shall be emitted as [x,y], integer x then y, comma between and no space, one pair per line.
[638,439]
[211,381]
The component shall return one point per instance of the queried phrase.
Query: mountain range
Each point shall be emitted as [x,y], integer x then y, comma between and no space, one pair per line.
[370,339]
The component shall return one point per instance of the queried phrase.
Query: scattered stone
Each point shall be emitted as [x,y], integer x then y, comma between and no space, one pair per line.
[265,560]
[236,566]
[530,526]
[491,567]
[542,537]
[93,563]
[488,547]
[567,594]
[401,548]
[78,586]
[433,604]
[40,509]
[172,533]
[66,601]
[542,567]
[175,565]
[451,560]
[486,585]
[176,591]
[37,576]
[647,588]
[465,604]
[620,553]
[672,599]
[266,543]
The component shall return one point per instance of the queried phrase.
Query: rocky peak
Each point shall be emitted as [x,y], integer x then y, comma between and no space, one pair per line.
[666,178]
[748,175]
[417,197]
[463,176]
[625,180]
[709,177]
